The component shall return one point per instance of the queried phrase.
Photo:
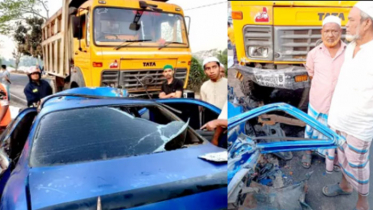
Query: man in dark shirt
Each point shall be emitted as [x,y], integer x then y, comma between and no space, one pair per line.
[37,88]
[172,87]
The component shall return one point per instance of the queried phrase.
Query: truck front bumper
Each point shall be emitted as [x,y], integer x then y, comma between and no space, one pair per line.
[276,78]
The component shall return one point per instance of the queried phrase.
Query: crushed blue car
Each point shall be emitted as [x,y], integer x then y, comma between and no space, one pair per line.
[245,150]
[96,148]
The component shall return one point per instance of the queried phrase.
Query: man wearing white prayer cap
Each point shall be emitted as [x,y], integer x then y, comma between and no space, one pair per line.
[215,90]
[351,113]
[323,66]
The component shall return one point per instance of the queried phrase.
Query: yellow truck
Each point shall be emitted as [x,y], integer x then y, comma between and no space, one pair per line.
[272,41]
[116,43]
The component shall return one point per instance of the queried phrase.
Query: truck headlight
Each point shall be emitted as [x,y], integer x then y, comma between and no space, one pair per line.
[258,52]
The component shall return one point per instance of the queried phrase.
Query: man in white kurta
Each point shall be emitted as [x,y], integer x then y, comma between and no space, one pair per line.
[215,90]
[351,110]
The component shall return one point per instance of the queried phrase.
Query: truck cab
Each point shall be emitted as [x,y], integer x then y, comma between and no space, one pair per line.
[116,43]
[273,39]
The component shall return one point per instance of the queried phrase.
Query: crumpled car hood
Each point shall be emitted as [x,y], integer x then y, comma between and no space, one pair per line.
[151,177]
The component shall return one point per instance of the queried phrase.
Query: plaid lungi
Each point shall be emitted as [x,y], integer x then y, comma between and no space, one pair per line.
[353,158]
[310,133]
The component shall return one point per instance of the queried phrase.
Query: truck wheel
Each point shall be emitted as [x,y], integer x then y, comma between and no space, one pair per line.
[256,92]
[74,85]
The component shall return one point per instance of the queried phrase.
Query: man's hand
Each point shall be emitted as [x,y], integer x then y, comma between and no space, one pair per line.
[210,126]
[172,95]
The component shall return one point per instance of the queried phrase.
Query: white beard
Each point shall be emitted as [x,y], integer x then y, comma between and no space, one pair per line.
[352,38]
[355,37]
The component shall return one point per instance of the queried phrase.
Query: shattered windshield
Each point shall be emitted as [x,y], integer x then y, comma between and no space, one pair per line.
[101,133]
[112,27]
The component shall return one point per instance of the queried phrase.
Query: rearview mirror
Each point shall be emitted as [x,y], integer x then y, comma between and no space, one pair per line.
[77,27]
[188,24]
[135,26]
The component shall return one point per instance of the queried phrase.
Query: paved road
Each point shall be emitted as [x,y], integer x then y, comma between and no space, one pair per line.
[19,82]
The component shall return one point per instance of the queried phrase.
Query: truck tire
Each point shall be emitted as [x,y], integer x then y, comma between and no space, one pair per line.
[256,92]
[298,98]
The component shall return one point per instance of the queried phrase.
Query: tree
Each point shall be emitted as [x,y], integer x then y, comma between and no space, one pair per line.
[223,57]
[196,76]
[17,57]
[19,10]
[1,45]
[28,38]
[33,41]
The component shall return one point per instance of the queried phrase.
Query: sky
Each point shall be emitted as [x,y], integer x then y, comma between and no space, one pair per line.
[208,28]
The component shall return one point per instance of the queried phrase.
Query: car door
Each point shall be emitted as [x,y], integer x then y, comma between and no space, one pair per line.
[189,110]
[234,132]
[13,140]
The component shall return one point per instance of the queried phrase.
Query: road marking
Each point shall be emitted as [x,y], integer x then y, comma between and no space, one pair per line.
[19,98]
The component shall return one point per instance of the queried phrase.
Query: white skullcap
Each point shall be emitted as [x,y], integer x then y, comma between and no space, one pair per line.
[222,65]
[331,19]
[365,6]
[210,59]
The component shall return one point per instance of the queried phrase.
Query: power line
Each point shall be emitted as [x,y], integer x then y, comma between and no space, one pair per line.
[207,5]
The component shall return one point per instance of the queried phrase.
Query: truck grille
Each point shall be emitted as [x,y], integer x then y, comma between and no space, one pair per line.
[258,36]
[293,43]
[132,80]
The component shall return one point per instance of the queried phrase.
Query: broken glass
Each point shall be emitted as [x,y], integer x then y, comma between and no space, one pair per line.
[101,133]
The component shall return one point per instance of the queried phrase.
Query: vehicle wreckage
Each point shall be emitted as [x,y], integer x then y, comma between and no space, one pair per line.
[246,149]
[95,148]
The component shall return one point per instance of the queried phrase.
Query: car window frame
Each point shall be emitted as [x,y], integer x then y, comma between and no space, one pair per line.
[155,104]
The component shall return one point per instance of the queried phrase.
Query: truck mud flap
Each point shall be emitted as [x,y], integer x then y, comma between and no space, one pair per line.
[276,78]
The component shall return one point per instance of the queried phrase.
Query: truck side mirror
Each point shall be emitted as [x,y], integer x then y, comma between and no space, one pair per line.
[77,27]
[188,24]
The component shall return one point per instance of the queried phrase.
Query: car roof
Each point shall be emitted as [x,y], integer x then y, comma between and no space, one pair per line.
[88,97]
[71,103]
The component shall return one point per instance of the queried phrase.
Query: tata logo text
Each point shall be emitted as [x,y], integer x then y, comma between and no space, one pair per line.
[323,15]
[149,63]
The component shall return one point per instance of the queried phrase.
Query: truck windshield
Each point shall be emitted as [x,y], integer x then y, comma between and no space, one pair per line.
[112,27]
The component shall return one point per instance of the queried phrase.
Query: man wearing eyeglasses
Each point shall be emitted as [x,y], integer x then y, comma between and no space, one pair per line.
[323,65]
